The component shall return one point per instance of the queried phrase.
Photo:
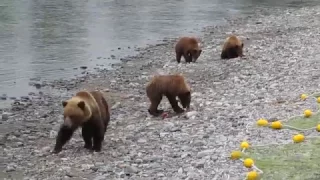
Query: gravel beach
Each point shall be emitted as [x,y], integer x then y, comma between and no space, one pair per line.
[228,96]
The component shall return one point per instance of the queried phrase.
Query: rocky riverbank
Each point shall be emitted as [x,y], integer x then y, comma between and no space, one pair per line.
[282,49]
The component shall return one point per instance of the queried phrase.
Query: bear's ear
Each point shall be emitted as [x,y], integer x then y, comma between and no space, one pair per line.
[64,103]
[81,105]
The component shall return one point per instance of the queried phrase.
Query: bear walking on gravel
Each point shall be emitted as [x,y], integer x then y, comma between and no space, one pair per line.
[171,86]
[89,110]
[232,48]
[189,48]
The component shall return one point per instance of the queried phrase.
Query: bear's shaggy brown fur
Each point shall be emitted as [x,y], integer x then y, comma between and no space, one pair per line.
[89,110]
[232,48]
[188,47]
[170,86]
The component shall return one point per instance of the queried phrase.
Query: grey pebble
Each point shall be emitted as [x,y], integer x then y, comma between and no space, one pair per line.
[10,167]
[200,164]
[5,116]
[131,170]
[205,153]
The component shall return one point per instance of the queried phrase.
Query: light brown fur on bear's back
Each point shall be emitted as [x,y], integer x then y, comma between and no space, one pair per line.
[173,84]
[188,43]
[232,41]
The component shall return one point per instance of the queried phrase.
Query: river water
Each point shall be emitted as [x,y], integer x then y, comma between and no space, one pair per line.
[47,39]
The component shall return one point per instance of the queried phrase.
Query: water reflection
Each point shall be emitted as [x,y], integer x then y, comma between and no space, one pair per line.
[49,38]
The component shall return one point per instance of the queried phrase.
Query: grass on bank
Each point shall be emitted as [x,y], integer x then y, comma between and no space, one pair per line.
[304,123]
[299,161]
[295,161]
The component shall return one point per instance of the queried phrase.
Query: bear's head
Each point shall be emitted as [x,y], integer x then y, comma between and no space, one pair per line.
[185,99]
[75,112]
[194,54]
[239,50]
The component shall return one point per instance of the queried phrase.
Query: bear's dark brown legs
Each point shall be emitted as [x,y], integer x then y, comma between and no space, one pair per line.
[98,138]
[87,135]
[233,53]
[187,58]
[174,103]
[64,135]
[229,53]
[178,57]
[153,109]
[224,55]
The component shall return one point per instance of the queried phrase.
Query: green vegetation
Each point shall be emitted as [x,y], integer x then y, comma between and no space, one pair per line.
[291,161]
[316,95]
[304,123]
[294,161]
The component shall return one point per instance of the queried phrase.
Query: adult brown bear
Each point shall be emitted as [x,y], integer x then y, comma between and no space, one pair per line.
[89,110]
[170,86]
[232,48]
[189,48]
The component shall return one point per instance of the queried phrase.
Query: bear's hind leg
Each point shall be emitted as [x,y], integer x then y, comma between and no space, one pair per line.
[174,103]
[98,138]
[87,135]
[107,118]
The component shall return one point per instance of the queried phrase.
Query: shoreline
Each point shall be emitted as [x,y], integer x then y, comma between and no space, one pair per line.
[227,96]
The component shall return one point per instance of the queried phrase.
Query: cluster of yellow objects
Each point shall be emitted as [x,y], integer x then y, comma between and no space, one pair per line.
[248,162]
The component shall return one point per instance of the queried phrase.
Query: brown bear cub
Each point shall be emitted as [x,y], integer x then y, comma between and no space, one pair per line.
[189,48]
[232,48]
[170,86]
[89,110]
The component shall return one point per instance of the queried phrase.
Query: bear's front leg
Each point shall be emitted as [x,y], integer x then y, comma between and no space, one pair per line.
[174,103]
[64,135]
[87,135]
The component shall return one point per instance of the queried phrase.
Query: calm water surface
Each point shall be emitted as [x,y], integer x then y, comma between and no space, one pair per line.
[47,39]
